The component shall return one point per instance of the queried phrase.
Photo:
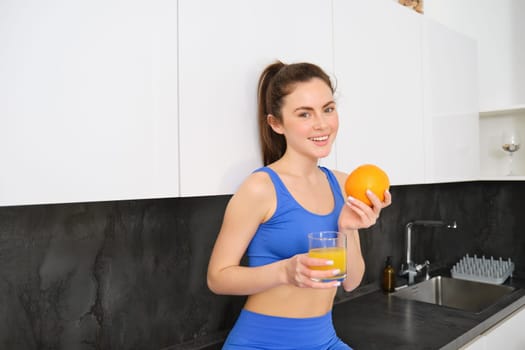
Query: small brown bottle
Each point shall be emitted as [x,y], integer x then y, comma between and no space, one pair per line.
[389,276]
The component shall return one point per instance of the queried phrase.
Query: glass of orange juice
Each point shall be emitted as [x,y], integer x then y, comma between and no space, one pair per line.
[330,245]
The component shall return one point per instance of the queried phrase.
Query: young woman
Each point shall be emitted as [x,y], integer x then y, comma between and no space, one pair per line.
[269,217]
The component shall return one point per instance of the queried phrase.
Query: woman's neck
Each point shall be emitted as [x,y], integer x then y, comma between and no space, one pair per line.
[296,166]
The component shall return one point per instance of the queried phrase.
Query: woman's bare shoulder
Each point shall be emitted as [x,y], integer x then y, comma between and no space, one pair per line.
[257,184]
[256,188]
[340,175]
[254,198]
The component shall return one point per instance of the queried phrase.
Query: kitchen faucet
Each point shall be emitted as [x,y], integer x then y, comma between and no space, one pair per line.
[409,267]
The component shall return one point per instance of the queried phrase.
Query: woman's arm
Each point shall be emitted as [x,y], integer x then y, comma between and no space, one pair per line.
[356,215]
[355,264]
[250,206]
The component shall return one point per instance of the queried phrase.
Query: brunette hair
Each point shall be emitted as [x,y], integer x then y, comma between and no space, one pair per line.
[276,82]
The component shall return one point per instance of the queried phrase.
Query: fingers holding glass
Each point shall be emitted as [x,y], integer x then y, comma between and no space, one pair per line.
[328,250]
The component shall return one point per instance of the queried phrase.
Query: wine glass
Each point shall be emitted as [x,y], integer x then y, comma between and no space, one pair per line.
[510,142]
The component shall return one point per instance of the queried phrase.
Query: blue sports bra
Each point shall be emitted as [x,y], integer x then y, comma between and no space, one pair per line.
[285,233]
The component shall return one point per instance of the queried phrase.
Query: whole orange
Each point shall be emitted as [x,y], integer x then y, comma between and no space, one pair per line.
[367,177]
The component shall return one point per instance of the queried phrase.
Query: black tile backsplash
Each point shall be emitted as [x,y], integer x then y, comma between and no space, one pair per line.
[132,274]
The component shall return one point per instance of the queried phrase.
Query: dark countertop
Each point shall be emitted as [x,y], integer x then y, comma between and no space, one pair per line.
[369,319]
[380,321]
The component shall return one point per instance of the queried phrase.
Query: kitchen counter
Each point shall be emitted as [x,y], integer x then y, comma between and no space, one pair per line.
[369,319]
[381,321]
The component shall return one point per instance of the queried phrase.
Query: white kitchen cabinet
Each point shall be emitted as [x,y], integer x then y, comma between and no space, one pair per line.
[507,334]
[223,48]
[88,101]
[498,27]
[111,100]
[377,55]
[475,344]
[451,121]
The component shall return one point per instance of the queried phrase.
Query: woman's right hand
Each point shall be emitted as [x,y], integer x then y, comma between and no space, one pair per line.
[299,273]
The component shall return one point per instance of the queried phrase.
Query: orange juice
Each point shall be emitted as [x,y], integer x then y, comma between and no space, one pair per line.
[336,254]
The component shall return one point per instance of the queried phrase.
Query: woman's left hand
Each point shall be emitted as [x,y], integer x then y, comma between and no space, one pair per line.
[357,215]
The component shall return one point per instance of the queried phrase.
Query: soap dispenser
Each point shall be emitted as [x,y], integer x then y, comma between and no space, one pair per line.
[389,276]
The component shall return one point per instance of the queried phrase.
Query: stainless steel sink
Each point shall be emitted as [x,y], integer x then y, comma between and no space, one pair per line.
[455,293]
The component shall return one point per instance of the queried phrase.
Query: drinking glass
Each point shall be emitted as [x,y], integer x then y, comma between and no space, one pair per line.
[510,142]
[330,245]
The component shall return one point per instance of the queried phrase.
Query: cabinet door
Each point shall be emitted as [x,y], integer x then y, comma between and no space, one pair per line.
[451,105]
[224,46]
[88,101]
[508,334]
[498,27]
[378,69]
[477,343]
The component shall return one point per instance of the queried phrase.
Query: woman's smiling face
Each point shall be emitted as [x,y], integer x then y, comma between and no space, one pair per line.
[310,120]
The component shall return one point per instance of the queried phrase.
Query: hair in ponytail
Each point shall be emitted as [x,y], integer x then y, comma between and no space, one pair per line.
[276,82]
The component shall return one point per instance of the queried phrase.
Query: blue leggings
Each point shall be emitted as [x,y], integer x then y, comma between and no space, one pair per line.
[254,331]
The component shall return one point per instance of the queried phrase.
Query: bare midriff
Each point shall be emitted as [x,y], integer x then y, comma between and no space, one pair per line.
[292,301]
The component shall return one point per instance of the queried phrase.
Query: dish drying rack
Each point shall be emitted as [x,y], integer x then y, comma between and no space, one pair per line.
[487,270]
